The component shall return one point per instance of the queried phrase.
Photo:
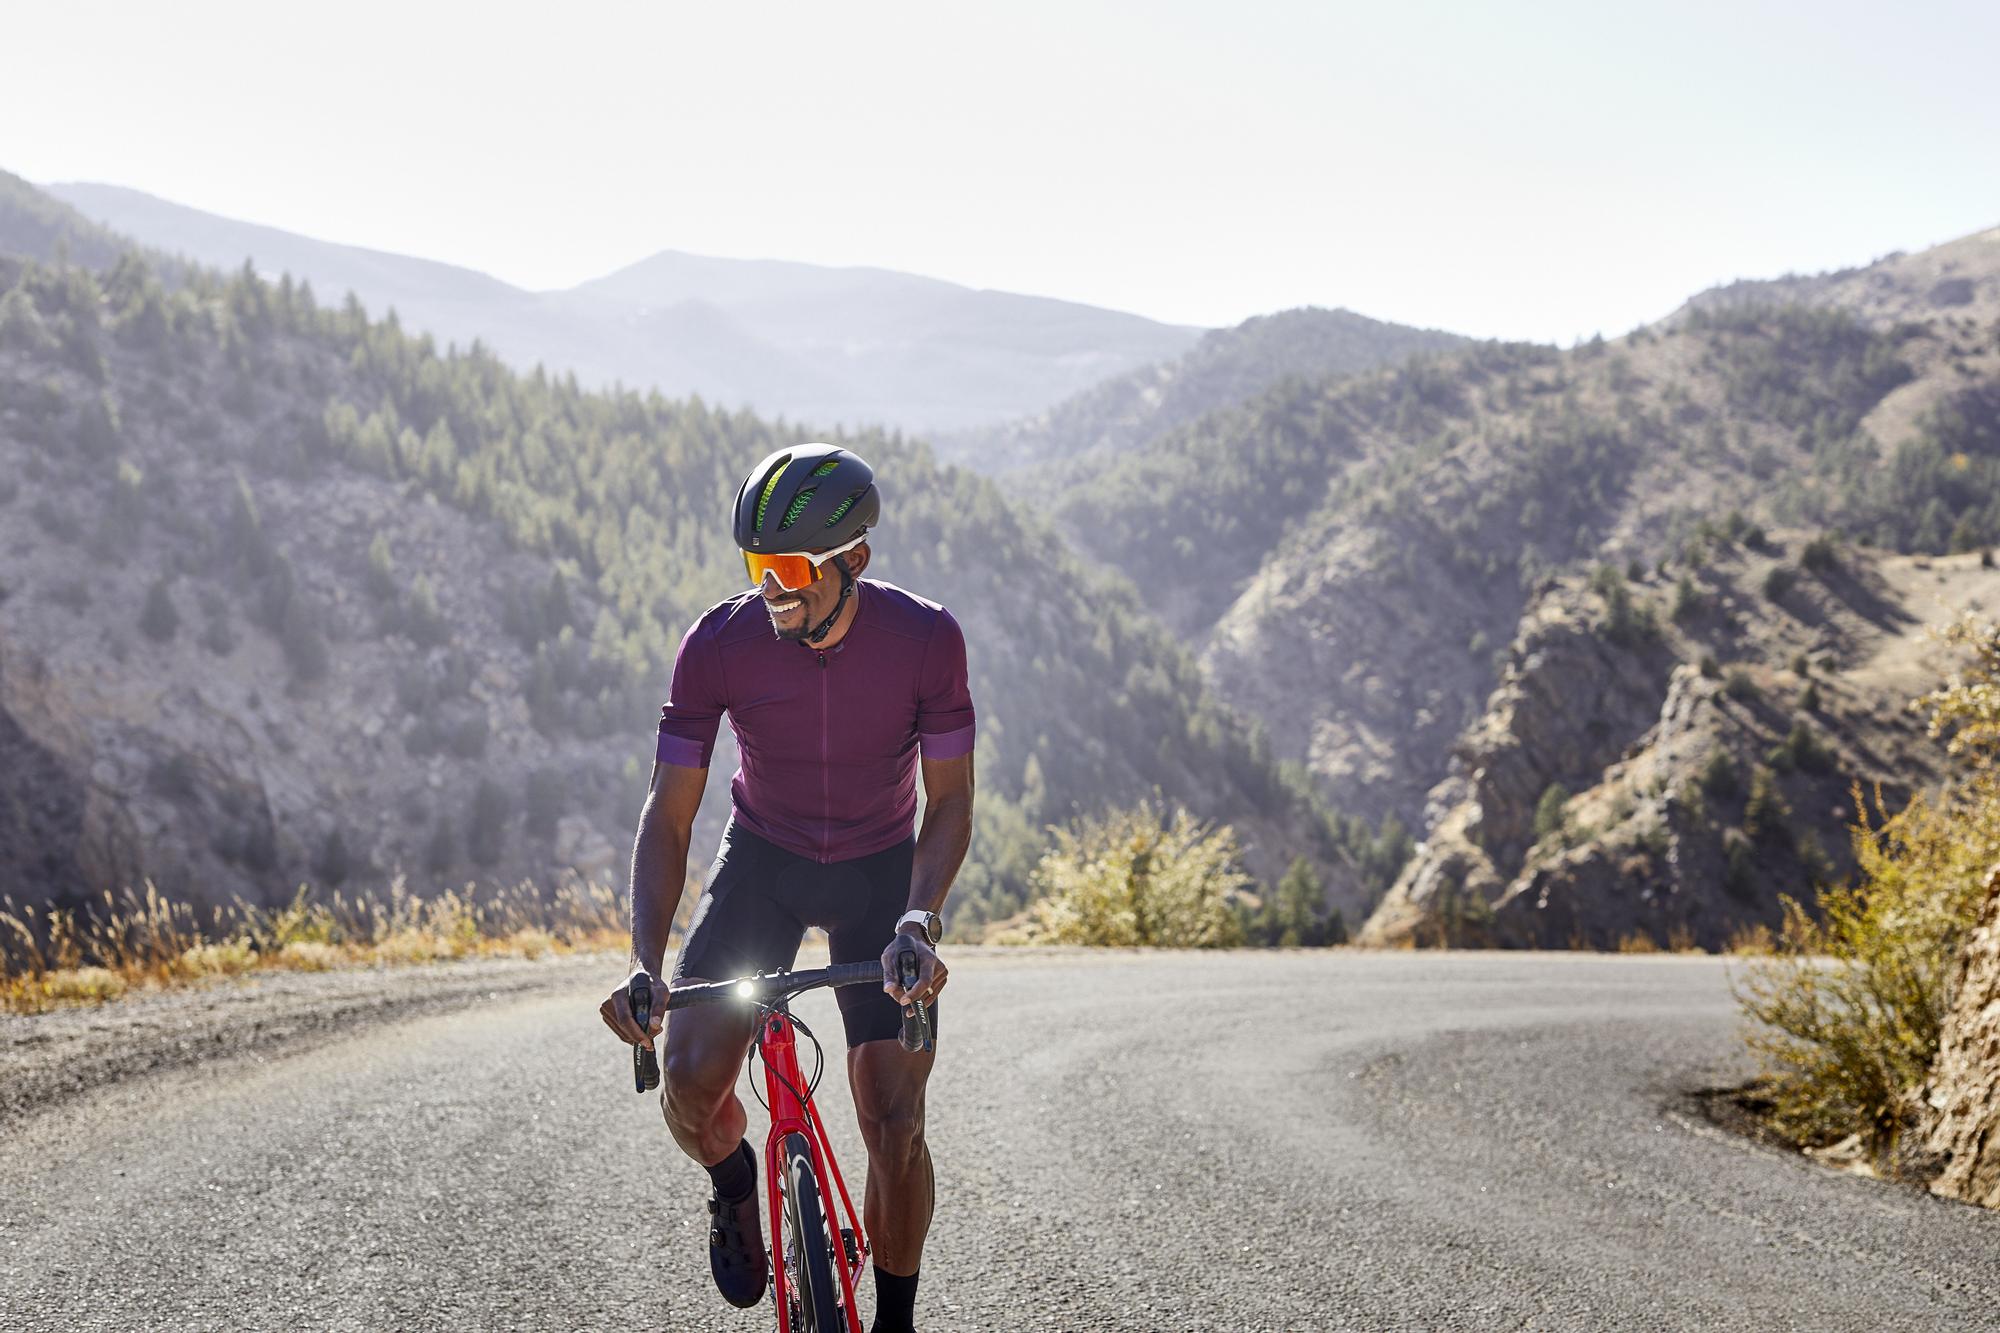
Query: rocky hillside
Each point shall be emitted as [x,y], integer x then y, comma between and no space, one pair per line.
[1350,553]
[1666,754]
[290,595]
[1226,369]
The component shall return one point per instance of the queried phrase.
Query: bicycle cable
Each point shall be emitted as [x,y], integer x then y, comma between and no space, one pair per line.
[756,1053]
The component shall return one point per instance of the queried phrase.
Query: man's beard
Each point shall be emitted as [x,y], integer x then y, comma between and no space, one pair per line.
[796,633]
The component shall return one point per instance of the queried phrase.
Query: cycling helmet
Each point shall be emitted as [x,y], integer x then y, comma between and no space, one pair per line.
[806,498]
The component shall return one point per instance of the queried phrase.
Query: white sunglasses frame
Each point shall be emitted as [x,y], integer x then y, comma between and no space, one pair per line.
[814,560]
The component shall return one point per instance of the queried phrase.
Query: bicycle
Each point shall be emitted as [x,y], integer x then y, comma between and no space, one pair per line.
[797,1152]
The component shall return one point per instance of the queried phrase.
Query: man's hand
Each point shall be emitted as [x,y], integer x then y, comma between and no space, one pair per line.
[931,971]
[617,1013]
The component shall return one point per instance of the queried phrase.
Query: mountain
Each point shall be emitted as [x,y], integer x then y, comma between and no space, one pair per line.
[291,595]
[1623,789]
[1227,368]
[853,345]
[1349,556]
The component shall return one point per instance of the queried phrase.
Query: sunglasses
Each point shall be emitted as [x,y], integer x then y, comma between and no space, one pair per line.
[794,569]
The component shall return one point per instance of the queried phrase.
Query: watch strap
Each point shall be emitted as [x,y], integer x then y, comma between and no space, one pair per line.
[933,926]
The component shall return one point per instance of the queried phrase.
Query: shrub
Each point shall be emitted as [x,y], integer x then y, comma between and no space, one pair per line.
[1801,749]
[1846,1046]
[1139,876]
[1739,685]
[1718,775]
[1778,580]
[1821,554]
[1687,600]
[1708,666]
[1765,814]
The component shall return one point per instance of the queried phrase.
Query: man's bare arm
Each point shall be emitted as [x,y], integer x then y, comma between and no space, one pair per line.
[941,844]
[945,834]
[659,859]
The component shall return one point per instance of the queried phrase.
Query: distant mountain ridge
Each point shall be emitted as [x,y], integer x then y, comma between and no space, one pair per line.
[1225,369]
[809,343]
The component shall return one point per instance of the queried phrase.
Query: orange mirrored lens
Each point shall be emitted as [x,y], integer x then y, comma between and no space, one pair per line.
[793,571]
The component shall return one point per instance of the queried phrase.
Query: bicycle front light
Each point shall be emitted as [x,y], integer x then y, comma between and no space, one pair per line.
[746,989]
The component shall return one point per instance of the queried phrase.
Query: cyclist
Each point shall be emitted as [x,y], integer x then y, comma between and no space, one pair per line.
[837,688]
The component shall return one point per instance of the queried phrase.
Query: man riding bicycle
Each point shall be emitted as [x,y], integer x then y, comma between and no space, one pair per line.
[837,689]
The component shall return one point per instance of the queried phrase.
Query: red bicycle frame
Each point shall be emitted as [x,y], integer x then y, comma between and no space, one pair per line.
[778,1049]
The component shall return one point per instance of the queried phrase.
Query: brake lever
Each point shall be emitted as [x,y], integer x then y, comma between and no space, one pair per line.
[916,1034]
[645,1064]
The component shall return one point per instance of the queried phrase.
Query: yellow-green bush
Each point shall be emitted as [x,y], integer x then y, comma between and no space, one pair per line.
[1139,876]
[1848,1006]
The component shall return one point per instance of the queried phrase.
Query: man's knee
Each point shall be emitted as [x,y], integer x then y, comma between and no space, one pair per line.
[699,1075]
[893,1130]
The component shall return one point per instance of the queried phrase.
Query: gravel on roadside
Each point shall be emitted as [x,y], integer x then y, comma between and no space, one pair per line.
[50,1057]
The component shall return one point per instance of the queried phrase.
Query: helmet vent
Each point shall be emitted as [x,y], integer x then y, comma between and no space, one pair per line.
[840,510]
[797,507]
[826,467]
[770,484]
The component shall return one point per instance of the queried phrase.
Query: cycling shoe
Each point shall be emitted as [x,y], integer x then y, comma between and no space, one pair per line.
[736,1255]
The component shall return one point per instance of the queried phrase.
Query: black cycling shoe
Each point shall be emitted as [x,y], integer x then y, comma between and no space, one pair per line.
[736,1254]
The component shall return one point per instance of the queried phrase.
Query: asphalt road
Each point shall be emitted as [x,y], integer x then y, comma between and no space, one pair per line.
[1155,1141]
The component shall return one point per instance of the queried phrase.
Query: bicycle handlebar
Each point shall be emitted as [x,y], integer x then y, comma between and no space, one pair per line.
[767,986]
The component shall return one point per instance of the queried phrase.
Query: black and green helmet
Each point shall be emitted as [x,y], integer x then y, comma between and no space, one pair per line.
[806,498]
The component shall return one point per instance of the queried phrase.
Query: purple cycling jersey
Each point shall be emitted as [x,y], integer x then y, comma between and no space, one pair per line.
[829,739]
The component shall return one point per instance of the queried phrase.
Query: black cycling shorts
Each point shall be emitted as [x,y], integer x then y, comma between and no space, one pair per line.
[760,898]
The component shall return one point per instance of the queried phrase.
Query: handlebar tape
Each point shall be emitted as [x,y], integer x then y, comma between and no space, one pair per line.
[645,1064]
[916,1033]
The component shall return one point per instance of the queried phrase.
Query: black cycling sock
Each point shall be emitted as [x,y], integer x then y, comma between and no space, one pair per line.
[734,1175]
[895,1303]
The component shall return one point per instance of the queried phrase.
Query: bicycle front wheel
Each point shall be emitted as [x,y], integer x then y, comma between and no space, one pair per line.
[815,1297]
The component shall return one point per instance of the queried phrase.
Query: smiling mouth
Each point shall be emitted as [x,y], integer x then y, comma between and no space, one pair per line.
[781,608]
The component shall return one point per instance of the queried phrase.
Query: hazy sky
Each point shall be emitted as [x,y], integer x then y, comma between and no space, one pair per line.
[1520,170]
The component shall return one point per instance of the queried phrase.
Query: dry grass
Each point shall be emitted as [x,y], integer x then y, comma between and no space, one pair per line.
[51,957]
[1752,941]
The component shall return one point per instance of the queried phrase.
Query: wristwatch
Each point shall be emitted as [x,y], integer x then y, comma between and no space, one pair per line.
[932,923]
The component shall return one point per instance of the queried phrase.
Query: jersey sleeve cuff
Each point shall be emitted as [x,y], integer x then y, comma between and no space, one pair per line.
[946,744]
[681,751]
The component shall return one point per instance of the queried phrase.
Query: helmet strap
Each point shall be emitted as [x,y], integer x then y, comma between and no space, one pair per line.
[846,590]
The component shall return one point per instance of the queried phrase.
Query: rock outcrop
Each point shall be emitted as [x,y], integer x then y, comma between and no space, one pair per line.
[1625,789]
[1963,1098]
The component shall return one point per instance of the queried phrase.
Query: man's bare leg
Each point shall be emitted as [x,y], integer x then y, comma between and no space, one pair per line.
[888,1084]
[704,1047]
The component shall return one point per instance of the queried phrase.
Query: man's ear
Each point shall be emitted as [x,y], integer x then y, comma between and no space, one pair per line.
[856,559]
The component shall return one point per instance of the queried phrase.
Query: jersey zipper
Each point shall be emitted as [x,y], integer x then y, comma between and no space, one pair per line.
[825,756]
